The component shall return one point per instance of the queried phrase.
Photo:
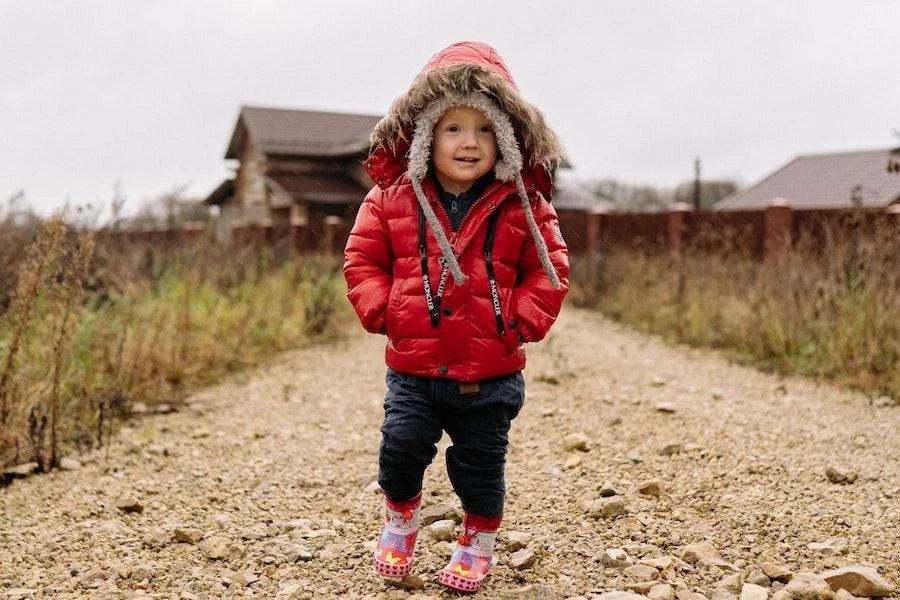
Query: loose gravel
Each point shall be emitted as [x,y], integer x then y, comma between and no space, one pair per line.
[634,467]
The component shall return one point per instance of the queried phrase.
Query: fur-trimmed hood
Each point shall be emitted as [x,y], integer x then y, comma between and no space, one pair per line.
[461,69]
[472,74]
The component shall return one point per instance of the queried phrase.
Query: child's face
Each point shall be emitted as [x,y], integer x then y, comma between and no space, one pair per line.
[464,148]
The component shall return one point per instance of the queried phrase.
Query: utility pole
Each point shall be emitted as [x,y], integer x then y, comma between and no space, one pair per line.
[696,184]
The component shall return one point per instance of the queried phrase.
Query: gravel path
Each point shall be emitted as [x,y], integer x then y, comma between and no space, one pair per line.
[263,486]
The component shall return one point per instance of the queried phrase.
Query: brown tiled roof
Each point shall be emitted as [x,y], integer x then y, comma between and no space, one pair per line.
[816,181]
[280,131]
[323,187]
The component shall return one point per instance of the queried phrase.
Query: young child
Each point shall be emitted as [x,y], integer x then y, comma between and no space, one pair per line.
[456,256]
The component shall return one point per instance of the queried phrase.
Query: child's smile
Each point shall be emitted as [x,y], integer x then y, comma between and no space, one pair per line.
[464,148]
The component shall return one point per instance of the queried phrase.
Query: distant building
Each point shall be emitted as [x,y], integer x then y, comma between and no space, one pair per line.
[824,181]
[294,167]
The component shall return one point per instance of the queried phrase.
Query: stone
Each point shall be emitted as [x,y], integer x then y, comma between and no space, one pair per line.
[840,475]
[776,572]
[516,540]
[187,535]
[437,512]
[219,547]
[671,449]
[641,572]
[653,487]
[808,586]
[757,577]
[443,530]
[720,593]
[408,583]
[665,407]
[606,508]
[859,581]
[522,559]
[732,583]
[692,553]
[129,504]
[607,490]
[577,441]
[615,558]
[532,592]
[832,547]
[69,464]
[751,591]
[619,596]
[661,591]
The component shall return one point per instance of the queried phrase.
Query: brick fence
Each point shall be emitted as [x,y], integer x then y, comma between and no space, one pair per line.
[758,234]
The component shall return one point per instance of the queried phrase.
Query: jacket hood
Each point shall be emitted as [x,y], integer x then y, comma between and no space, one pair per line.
[461,69]
[473,74]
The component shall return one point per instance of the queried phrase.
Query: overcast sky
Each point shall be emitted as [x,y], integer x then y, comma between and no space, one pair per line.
[147,93]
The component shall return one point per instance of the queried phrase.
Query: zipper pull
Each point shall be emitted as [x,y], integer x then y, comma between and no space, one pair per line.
[454,207]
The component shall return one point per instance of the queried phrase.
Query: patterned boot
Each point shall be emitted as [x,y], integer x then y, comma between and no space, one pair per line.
[394,554]
[471,560]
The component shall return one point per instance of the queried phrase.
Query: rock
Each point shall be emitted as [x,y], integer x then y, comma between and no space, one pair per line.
[606,508]
[776,572]
[665,407]
[69,464]
[660,563]
[244,578]
[187,535]
[832,547]
[443,530]
[156,538]
[732,583]
[716,393]
[607,490]
[699,551]
[128,504]
[297,553]
[522,559]
[657,381]
[619,596]
[841,475]
[751,591]
[615,558]
[219,547]
[532,592]
[635,457]
[641,572]
[653,487]
[671,449]
[720,593]
[661,591]
[437,512]
[859,581]
[577,441]
[140,573]
[758,577]
[409,583]
[372,487]
[808,586]
[516,540]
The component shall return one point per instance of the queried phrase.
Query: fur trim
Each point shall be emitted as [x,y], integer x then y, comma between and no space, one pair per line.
[509,161]
[540,143]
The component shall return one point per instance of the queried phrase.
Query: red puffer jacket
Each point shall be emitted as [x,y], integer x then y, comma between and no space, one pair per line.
[385,283]
[465,339]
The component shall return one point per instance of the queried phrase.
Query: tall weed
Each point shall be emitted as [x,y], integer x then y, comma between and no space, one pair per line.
[826,308]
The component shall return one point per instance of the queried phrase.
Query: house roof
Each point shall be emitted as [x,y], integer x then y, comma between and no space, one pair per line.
[222,194]
[308,133]
[817,181]
[325,187]
[569,196]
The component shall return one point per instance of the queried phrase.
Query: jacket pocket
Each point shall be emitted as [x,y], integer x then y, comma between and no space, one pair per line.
[393,308]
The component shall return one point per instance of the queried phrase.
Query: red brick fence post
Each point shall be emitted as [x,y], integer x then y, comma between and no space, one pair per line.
[677,226]
[779,223]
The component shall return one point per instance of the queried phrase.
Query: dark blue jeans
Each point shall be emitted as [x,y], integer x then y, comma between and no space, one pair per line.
[418,409]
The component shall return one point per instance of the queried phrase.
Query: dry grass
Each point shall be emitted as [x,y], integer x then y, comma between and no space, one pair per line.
[90,331]
[827,308]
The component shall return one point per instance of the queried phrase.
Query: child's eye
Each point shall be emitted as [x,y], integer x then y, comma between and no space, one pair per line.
[486,129]
[453,128]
